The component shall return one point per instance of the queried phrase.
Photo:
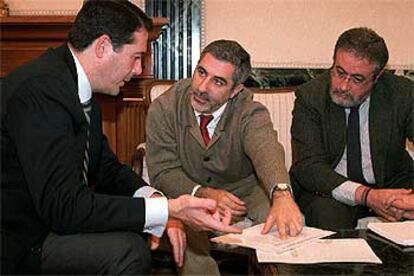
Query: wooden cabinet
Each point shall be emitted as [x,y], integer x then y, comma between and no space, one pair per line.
[24,38]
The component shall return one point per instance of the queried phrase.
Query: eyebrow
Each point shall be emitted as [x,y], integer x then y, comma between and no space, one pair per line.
[352,75]
[221,79]
[215,77]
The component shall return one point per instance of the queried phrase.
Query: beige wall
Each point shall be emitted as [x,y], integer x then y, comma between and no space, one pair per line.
[284,33]
[49,7]
[302,33]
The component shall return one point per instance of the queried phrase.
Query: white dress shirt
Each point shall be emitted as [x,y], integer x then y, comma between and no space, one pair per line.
[345,192]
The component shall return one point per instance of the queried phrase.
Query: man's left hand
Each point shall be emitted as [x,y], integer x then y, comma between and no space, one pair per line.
[176,234]
[285,215]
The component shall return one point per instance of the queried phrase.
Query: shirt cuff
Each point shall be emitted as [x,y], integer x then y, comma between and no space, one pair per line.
[156,215]
[146,191]
[345,192]
[156,210]
[195,189]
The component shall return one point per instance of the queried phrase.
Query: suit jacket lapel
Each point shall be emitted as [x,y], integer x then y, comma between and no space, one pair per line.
[337,131]
[195,132]
[379,131]
[220,126]
[190,121]
[64,54]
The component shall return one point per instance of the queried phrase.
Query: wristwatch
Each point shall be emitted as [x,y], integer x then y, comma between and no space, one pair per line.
[282,187]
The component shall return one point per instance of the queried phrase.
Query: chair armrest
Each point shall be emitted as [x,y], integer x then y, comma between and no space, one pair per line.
[137,160]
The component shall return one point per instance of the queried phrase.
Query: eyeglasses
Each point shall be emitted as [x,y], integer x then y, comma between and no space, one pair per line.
[354,79]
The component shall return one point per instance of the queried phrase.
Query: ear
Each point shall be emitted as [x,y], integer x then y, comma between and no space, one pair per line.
[236,90]
[102,45]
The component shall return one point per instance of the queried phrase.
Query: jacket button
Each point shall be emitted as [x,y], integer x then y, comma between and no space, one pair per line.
[206,159]
[209,179]
[36,250]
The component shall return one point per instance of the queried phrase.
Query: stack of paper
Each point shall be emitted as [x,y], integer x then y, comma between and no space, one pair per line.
[252,238]
[307,247]
[324,251]
[399,232]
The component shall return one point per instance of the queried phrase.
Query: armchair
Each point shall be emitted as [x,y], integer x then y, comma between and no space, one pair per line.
[151,92]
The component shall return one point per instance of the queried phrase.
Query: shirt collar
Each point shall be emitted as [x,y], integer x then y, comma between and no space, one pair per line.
[84,86]
[362,107]
[216,114]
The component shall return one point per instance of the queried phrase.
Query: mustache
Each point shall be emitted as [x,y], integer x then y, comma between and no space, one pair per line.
[199,94]
[342,92]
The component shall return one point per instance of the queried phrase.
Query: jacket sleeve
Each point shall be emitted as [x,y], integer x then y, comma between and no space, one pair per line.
[261,145]
[164,166]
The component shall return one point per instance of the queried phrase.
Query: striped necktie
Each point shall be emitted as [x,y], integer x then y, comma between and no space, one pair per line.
[87,107]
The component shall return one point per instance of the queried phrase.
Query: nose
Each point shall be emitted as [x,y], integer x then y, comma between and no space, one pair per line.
[345,83]
[137,69]
[203,85]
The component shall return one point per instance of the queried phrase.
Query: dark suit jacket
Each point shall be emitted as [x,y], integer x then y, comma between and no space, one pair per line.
[43,136]
[319,131]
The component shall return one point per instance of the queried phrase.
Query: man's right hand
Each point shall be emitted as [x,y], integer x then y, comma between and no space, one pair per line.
[201,214]
[225,200]
[378,200]
[403,202]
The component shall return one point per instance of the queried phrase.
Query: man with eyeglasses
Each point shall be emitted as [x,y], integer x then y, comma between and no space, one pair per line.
[349,132]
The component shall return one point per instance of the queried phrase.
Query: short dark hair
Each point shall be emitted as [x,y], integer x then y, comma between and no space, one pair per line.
[232,52]
[364,43]
[117,19]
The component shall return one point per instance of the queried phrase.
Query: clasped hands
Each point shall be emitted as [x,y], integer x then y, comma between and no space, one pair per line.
[392,204]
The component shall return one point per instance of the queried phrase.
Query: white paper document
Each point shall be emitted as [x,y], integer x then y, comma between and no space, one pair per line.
[324,251]
[252,238]
[399,232]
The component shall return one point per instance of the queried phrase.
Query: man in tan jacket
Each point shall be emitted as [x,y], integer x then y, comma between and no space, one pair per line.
[234,157]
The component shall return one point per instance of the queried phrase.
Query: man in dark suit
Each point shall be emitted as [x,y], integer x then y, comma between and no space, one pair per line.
[349,133]
[52,147]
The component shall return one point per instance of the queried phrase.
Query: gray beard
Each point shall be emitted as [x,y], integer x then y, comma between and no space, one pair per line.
[350,102]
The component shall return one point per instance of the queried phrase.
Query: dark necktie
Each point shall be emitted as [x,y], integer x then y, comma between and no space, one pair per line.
[204,121]
[353,147]
[87,107]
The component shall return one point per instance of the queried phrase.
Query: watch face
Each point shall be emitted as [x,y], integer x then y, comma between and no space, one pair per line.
[282,186]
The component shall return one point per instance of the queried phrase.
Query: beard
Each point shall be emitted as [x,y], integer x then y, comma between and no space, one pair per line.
[345,98]
[202,102]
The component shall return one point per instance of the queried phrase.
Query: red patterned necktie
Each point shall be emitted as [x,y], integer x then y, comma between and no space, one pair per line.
[204,121]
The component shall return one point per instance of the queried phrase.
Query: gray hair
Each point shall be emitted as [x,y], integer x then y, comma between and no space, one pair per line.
[364,43]
[232,52]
